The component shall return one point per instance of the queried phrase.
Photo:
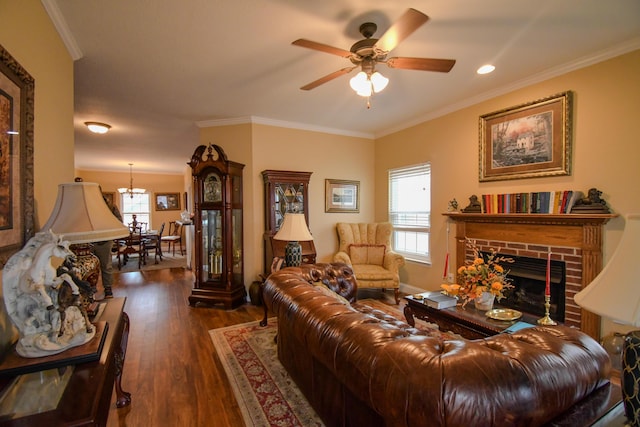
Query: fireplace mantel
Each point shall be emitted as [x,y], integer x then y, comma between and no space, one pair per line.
[581,231]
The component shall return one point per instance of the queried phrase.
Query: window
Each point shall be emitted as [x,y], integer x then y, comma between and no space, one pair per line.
[410,210]
[138,205]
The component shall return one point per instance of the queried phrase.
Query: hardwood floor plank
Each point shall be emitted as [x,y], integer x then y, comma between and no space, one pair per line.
[171,369]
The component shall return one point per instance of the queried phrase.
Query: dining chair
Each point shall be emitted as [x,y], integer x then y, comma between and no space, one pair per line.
[153,243]
[132,244]
[174,236]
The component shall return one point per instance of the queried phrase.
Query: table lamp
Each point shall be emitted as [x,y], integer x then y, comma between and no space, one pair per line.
[294,229]
[81,216]
[34,289]
[615,294]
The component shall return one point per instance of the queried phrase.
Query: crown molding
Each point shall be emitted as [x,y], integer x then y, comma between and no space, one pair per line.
[281,123]
[585,61]
[63,29]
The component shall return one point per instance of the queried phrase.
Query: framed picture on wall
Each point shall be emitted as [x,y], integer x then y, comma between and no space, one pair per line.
[167,201]
[528,140]
[16,156]
[342,196]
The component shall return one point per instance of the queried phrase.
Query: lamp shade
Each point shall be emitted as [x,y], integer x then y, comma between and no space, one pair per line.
[615,292]
[81,215]
[294,228]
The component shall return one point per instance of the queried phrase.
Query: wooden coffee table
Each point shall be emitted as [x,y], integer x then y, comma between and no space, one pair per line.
[467,322]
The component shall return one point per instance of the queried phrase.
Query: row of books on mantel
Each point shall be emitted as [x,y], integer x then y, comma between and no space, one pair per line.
[543,202]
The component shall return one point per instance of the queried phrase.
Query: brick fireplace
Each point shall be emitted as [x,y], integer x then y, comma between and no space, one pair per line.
[573,239]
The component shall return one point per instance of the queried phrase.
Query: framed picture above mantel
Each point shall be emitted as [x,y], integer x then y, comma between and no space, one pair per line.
[528,140]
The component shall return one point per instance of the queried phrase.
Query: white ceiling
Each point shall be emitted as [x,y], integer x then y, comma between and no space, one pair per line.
[155,69]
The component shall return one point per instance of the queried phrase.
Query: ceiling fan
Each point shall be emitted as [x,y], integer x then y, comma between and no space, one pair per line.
[369,51]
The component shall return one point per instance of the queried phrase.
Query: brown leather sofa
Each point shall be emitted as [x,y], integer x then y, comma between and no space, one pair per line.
[359,370]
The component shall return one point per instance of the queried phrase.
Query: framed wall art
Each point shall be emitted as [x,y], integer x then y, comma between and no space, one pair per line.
[342,196]
[167,201]
[16,156]
[527,141]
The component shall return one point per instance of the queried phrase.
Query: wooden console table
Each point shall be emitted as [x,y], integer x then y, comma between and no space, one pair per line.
[86,398]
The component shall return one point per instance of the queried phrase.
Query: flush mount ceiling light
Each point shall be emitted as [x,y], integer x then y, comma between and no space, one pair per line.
[97,127]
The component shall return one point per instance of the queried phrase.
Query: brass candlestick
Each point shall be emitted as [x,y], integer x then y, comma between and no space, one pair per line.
[546,320]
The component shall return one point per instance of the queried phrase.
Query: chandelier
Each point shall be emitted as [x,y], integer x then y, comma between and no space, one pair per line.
[131,190]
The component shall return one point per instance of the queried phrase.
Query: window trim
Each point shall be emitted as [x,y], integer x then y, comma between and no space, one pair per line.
[419,225]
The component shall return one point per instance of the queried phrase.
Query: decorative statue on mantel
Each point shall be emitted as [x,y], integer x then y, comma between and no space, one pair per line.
[474,205]
[45,304]
[591,204]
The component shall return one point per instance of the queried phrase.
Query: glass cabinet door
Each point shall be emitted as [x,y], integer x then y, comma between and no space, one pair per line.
[212,253]
[289,197]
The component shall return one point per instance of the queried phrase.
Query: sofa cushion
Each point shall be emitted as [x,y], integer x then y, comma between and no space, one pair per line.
[367,254]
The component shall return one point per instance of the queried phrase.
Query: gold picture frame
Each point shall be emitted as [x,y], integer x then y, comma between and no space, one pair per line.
[527,141]
[16,156]
[342,196]
[167,201]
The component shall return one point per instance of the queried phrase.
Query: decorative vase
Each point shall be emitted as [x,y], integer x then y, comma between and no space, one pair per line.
[485,301]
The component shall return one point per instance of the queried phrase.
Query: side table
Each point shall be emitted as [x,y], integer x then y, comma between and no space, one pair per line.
[86,398]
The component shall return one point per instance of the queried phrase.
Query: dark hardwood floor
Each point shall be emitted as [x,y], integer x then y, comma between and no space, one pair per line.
[171,368]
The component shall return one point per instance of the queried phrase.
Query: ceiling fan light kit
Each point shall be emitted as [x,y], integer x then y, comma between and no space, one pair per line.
[366,53]
[97,127]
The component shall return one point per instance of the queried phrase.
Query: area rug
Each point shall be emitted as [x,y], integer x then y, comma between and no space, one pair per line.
[168,261]
[266,395]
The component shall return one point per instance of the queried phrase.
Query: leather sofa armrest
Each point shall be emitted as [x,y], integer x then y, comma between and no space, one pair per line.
[342,257]
[393,261]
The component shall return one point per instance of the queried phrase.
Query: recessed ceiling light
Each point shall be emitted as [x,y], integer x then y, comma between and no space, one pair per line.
[486,69]
[97,127]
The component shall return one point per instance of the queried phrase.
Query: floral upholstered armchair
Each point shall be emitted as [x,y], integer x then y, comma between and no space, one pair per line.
[367,249]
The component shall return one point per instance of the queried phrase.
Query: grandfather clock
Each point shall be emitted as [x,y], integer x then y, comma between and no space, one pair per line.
[217,193]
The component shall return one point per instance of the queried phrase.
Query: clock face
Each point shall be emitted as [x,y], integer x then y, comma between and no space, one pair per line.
[212,188]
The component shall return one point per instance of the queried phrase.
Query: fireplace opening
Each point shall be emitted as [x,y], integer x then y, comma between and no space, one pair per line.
[528,276]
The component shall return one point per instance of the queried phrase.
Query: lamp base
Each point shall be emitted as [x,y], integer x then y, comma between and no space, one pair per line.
[87,263]
[293,254]
[631,377]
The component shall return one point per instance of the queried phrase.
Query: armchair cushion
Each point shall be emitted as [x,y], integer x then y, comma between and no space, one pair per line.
[367,254]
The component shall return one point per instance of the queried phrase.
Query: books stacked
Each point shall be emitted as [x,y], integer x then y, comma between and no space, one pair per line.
[545,202]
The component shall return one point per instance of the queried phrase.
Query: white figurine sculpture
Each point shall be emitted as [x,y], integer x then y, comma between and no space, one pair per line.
[38,299]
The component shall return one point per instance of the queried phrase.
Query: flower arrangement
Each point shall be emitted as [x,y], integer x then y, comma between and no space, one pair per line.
[483,274]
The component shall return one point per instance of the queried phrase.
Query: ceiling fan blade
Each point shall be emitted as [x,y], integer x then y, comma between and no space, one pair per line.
[322,47]
[401,29]
[327,78]
[423,64]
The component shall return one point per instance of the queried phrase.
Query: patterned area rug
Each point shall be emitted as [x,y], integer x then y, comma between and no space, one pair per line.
[267,396]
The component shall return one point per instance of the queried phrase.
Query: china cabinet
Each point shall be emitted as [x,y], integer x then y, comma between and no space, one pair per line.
[284,191]
[218,252]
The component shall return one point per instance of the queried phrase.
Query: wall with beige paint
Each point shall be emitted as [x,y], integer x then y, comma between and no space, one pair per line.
[41,52]
[260,147]
[605,153]
[30,37]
